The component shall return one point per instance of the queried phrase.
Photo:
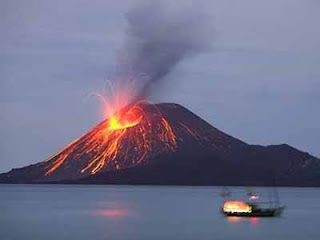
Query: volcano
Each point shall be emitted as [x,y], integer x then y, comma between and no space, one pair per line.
[169,145]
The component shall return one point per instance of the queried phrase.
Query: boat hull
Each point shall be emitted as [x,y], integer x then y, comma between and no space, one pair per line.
[269,212]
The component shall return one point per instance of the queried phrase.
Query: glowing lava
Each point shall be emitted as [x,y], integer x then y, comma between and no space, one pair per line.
[124,140]
[115,123]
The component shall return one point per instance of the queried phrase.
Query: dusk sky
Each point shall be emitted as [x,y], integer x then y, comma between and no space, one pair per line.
[260,82]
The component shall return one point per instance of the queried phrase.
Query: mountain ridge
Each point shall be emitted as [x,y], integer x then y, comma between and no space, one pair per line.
[198,154]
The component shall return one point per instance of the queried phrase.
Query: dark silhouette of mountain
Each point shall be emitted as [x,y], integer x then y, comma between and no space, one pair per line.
[169,145]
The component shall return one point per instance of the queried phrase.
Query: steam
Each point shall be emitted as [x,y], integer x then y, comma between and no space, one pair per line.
[160,35]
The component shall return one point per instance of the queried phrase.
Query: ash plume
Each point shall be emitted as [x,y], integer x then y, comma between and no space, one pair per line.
[160,35]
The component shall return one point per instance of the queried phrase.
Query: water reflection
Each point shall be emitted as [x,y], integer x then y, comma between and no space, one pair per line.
[234,219]
[252,220]
[111,212]
[145,213]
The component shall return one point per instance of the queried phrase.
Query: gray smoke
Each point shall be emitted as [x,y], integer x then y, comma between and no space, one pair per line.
[160,35]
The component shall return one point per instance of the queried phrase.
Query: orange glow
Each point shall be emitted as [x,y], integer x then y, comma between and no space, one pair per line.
[112,213]
[234,219]
[236,206]
[126,139]
[116,124]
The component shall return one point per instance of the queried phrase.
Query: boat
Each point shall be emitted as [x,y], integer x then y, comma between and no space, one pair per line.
[251,208]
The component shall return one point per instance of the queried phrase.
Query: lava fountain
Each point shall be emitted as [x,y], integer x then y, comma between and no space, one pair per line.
[125,139]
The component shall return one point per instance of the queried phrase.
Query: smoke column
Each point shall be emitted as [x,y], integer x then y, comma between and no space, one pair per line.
[159,35]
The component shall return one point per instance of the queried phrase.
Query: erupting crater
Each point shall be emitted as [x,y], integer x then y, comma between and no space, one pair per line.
[124,140]
[167,144]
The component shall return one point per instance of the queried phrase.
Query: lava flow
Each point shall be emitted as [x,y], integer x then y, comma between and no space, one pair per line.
[124,140]
[117,123]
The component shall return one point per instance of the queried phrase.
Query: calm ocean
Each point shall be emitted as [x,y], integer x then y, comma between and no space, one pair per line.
[148,213]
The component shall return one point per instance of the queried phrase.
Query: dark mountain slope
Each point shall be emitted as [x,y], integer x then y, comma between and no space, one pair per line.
[169,145]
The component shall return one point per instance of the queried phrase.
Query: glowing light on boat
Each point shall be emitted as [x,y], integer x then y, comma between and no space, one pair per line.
[254,197]
[236,207]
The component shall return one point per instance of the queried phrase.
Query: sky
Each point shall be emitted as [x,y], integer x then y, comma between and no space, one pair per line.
[260,82]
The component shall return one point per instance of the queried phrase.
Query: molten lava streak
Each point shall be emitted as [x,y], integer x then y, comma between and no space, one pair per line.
[126,139]
[116,124]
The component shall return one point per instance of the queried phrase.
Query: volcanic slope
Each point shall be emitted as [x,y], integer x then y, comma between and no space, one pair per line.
[167,144]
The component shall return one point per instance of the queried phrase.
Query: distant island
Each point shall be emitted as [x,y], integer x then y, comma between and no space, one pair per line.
[166,144]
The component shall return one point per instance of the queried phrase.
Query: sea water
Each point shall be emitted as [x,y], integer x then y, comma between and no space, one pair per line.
[148,213]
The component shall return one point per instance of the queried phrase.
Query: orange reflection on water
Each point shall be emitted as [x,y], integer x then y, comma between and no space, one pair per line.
[112,213]
[234,219]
